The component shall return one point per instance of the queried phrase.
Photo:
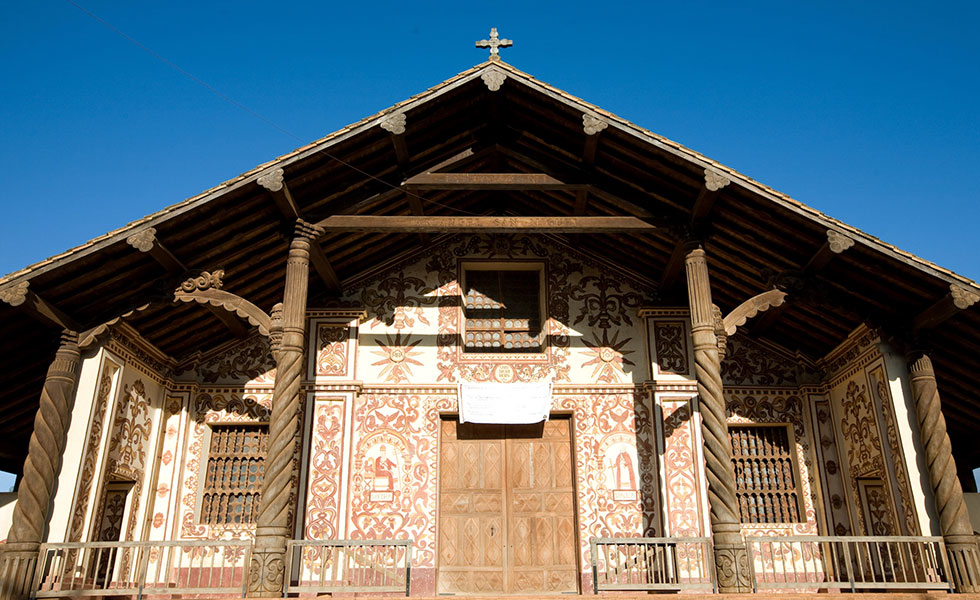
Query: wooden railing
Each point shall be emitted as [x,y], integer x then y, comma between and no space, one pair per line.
[664,563]
[855,563]
[326,566]
[140,568]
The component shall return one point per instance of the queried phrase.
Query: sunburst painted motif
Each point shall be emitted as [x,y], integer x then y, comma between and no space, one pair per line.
[396,357]
[608,357]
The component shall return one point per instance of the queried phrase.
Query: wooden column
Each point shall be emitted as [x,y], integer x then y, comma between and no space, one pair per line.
[954,520]
[729,549]
[273,524]
[19,554]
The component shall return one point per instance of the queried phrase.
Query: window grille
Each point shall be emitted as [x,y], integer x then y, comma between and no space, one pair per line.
[503,311]
[765,475]
[234,474]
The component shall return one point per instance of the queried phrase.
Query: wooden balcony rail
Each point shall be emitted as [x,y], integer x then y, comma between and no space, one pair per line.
[141,568]
[855,562]
[664,563]
[326,566]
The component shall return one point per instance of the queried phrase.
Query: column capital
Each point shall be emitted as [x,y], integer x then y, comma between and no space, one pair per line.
[307,231]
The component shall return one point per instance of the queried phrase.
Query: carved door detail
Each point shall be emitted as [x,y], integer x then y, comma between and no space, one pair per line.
[507,510]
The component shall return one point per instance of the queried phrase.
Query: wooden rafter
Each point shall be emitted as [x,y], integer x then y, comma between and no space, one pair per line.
[20,295]
[488,181]
[275,183]
[489,224]
[959,298]
[146,241]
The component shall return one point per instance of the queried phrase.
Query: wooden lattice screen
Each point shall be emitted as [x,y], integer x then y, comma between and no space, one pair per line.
[234,475]
[503,311]
[765,475]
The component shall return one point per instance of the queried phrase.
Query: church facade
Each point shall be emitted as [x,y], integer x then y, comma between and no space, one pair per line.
[679,407]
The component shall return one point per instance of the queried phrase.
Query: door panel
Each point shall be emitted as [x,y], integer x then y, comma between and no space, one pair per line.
[507,522]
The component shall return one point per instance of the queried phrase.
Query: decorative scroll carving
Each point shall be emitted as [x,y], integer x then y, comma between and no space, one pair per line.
[331,343]
[714,181]
[40,470]
[592,124]
[15,294]
[271,180]
[838,242]
[203,282]
[954,519]
[729,550]
[493,78]
[963,298]
[394,123]
[230,302]
[143,240]
[752,307]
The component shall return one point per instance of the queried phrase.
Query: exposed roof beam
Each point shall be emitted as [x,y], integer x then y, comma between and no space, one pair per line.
[835,244]
[704,204]
[274,182]
[399,224]
[147,242]
[20,294]
[488,181]
[959,298]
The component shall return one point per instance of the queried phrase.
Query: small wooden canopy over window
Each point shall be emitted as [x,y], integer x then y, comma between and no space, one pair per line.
[502,308]
[234,476]
[765,474]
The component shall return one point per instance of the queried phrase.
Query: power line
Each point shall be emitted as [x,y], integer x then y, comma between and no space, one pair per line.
[248,110]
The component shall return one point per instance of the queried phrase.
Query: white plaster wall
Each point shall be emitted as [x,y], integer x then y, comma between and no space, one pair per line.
[973,505]
[78,430]
[7,502]
[908,427]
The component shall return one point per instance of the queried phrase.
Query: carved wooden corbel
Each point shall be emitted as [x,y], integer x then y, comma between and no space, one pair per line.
[752,307]
[394,123]
[959,298]
[19,294]
[493,78]
[592,124]
[205,288]
[714,181]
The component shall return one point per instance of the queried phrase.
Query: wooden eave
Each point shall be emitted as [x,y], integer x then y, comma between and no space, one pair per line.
[524,127]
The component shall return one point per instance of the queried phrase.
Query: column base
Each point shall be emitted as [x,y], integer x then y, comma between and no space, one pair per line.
[17,563]
[964,563]
[266,573]
[732,568]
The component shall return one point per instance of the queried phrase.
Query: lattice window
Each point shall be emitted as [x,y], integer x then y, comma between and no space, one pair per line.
[503,310]
[233,479]
[765,474]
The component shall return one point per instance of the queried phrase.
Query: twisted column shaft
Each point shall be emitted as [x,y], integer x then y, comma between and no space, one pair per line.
[954,520]
[273,526]
[729,549]
[44,452]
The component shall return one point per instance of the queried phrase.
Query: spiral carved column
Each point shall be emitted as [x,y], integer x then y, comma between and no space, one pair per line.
[954,520]
[273,523]
[47,444]
[729,549]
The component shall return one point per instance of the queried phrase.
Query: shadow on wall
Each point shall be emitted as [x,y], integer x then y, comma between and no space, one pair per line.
[973,506]
[7,502]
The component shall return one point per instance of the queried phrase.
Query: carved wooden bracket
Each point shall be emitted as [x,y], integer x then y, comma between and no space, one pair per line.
[714,181]
[752,307]
[229,302]
[592,124]
[959,298]
[493,78]
[20,294]
[394,123]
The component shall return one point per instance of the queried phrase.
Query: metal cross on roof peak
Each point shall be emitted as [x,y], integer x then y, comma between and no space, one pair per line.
[494,43]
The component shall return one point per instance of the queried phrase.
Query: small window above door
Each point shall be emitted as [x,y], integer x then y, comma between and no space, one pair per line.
[503,308]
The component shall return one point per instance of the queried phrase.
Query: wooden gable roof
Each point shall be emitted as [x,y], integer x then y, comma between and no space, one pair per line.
[755,237]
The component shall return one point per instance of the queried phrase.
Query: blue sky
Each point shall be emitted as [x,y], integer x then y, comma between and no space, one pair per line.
[867,111]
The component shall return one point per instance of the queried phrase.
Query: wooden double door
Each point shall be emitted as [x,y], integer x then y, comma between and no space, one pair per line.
[507,509]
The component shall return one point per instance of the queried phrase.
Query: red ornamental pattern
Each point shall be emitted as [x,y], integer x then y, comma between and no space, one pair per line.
[681,471]
[323,504]
[410,422]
